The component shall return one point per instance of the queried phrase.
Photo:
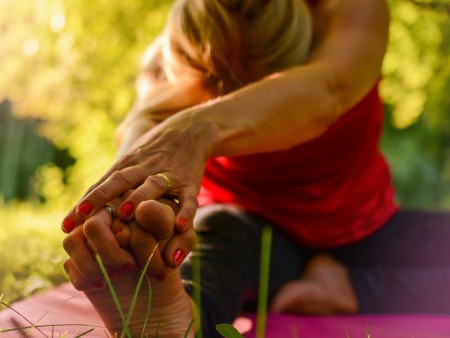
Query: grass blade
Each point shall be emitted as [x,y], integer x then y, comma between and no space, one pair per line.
[261,318]
[189,328]
[149,306]
[84,333]
[49,325]
[196,293]
[138,286]
[114,296]
[46,313]
[17,312]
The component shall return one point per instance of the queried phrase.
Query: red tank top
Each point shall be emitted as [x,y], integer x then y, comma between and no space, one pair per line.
[333,190]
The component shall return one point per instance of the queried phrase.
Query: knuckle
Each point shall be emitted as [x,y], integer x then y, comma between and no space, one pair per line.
[68,244]
[191,240]
[99,193]
[66,266]
[90,230]
[191,201]
[80,283]
[139,194]
[159,182]
[123,176]
[91,188]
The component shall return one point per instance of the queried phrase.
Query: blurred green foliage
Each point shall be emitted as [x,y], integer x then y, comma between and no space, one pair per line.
[31,255]
[72,64]
[415,88]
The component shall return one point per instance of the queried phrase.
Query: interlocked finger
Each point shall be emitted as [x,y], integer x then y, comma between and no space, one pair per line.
[169,184]
[153,188]
[99,233]
[110,211]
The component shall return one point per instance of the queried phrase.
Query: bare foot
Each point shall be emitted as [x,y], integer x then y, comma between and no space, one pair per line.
[171,312]
[172,309]
[323,289]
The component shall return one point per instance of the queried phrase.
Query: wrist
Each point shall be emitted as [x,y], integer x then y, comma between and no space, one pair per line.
[215,128]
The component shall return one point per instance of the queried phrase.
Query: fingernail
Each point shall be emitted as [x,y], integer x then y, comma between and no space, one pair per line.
[127,209]
[118,231]
[128,267]
[160,277]
[99,283]
[85,208]
[68,225]
[178,256]
[182,221]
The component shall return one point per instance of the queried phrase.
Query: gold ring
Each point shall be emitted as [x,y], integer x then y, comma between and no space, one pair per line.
[110,211]
[166,179]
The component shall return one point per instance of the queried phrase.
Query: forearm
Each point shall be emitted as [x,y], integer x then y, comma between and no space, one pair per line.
[301,103]
[298,104]
[156,101]
[274,114]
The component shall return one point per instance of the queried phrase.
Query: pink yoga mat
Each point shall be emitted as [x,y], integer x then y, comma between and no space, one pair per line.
[355,326]
[68,307]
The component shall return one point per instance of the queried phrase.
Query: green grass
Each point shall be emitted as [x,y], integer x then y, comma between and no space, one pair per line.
[31,258]
[31,253]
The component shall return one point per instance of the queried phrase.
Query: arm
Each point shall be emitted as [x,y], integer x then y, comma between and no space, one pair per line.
[276,113]
[266,116]
[299,104]
[159,96]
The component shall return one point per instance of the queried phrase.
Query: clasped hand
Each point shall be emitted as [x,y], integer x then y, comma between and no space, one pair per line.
[123,246]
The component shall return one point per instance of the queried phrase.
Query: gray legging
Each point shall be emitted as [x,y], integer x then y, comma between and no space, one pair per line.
[403,267]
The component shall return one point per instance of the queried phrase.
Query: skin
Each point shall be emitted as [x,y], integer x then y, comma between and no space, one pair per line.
[154,224]
[344,66]
[178,138]
[323,289]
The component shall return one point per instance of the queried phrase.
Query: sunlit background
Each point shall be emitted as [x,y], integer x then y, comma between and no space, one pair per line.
[67,73]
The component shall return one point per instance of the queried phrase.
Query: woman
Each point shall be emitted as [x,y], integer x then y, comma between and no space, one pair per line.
[246,111]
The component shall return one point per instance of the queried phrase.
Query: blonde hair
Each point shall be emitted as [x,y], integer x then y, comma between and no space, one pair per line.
[235,42]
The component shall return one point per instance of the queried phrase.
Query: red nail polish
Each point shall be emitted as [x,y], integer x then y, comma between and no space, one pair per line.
[160,277]
[127,209]
[128,267]
[85,208]
[99,283]
[182,221]
[178,256]
[68,225]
